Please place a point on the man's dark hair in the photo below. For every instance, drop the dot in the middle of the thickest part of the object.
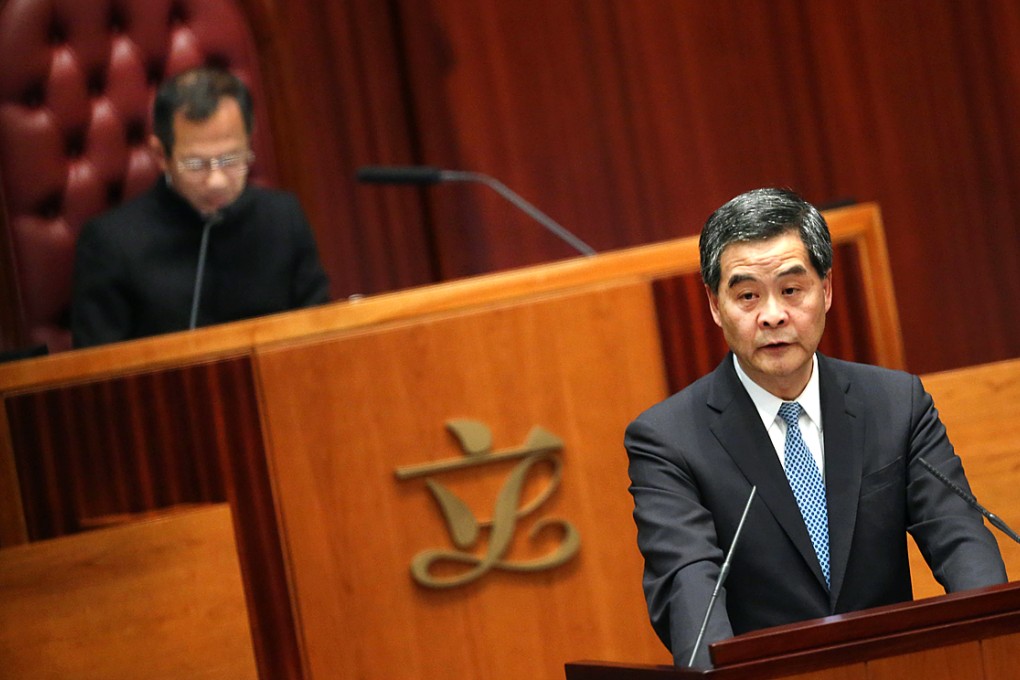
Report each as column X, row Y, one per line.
column 758, row 216
column 197, row 94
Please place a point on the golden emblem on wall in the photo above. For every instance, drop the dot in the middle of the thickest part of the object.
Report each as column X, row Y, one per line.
column 473, row 556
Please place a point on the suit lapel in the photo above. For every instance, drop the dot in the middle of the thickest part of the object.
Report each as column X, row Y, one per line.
column 739, row 430
column 843, row 423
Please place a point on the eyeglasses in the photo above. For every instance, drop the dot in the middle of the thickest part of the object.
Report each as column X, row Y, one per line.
column 234, row 164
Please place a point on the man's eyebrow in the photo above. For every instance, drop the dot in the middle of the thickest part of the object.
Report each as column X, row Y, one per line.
column 739, row 278
column 793, row 270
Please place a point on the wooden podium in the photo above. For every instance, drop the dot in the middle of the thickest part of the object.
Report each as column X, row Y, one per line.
column 424, row 484
column 973, row 635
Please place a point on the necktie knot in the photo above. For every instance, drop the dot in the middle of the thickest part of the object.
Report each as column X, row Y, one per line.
column 790, row 412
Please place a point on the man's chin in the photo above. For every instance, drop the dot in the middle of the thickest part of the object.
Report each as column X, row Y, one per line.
column 779, row 361
column 772, row 354
column 218, row 205
column 213, row 208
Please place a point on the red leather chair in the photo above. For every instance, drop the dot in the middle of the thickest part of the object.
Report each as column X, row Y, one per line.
column 76, row 87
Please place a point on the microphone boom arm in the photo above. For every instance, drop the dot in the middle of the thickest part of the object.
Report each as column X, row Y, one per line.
column 515, row 198
column 993, row 519
column 425, row 174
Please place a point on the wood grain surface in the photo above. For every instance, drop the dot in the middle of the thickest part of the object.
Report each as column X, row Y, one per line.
column 155, row 599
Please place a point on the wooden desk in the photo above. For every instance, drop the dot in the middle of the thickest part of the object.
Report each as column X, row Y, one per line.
column 159, row 598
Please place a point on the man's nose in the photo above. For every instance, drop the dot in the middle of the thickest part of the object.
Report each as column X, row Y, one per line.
column 217, row 176
column 773, row 313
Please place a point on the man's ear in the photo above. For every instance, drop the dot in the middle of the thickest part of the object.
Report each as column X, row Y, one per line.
column 156, row 149
column 713, row 304
column 827, row 289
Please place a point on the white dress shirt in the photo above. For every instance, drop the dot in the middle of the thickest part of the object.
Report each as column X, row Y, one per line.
column 810, row 415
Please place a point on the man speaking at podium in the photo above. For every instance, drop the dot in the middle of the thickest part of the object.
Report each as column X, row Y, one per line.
column 833, row 448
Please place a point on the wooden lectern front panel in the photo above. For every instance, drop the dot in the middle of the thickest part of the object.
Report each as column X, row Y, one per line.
column 454, row 492
column 953, row 662
column 857, row 671
column 999, row 657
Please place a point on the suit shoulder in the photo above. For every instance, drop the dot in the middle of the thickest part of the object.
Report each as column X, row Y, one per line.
column 881, row 388
column 272, row 195
column 679, row 405
column 266, row 204
column 127, row 219
column 869, row 372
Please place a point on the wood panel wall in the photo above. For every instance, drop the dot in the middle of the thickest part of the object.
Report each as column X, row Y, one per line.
column 630, row 121
column 980, row 407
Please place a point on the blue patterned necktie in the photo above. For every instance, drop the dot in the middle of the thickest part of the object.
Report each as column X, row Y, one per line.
column 806, row 482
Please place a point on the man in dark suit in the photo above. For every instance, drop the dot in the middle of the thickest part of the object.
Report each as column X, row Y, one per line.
column 838, row 488
column 137, row 266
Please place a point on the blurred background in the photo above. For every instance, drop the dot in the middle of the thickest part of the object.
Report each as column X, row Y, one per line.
column 630, row 121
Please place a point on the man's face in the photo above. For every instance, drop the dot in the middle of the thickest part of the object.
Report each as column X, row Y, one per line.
column 221, row 136
column 771, row 307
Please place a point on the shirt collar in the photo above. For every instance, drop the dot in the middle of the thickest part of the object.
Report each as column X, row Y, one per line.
column 768, row 404
column 169, row 193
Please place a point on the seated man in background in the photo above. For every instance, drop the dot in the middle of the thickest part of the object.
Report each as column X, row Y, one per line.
column 252, row 249
column 833, row 447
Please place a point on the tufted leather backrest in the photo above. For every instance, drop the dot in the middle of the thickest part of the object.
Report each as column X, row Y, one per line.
column 77, row 80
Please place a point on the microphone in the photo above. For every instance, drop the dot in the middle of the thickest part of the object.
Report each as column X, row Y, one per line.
column 423, row 174
column 399, row 174
column 210, row 222
column 723, row 573
column 962, row 493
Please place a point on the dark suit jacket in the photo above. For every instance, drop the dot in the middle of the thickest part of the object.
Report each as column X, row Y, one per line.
column 135, row 266
column 695, row 456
